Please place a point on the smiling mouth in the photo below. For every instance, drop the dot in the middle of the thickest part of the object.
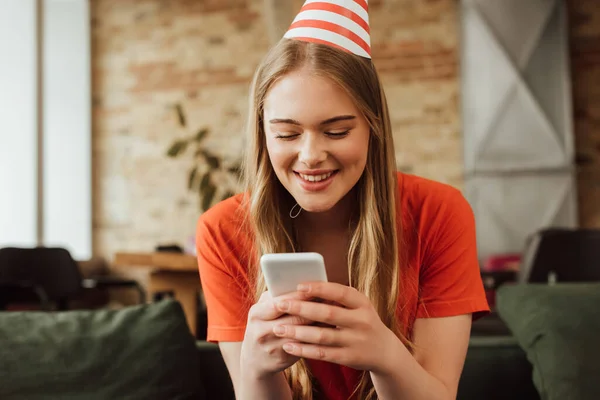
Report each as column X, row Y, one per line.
column 315, row 178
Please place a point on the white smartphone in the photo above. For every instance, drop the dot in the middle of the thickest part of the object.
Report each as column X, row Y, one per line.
column 284, row 271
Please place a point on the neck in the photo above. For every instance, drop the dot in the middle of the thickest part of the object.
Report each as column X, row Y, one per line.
column 337, row 219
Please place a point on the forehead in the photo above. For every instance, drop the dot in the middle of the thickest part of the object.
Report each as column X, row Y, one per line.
column 307, row 97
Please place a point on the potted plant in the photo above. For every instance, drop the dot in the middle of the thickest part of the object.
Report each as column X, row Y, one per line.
column 207, row 166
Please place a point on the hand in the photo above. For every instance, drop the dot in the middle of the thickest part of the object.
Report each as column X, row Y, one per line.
column 262, row 351
column 356, row 337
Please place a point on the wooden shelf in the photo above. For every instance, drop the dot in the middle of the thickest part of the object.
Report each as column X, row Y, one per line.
column 159, row 260
column 174, row 272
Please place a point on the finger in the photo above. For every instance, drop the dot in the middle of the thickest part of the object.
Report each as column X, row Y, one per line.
column 263, row 335
column 265, row 309
column 317, row 352
column 345, row 295
column 293, row 296
column 266, row 296
column 311, row 334
column 318, row 312
column 292, row 320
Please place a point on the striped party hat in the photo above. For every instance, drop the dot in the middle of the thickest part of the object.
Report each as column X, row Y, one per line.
column 339, row 23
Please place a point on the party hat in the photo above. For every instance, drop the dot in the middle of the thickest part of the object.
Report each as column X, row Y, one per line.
column 339, row 23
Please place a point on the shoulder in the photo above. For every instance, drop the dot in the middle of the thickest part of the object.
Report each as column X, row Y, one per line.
column 223, row 208
column 437, row 220
column 224, row 247
column 429, row 202
column 223, row 230
column 440, row 231
column 224, row 217
column 426, row 192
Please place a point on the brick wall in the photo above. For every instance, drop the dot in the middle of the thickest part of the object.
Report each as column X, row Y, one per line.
column 147, row 56
column 415, row 48
column 585, row 55
column 150, row 54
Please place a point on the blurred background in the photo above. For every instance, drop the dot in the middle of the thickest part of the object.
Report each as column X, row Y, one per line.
column 122, row 120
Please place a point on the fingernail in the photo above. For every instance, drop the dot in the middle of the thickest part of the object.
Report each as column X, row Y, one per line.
column 279, row 330
column 288, row 347
column 283, row 305
column 303, row 288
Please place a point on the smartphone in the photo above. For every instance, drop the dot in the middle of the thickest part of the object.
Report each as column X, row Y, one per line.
column 284, row 271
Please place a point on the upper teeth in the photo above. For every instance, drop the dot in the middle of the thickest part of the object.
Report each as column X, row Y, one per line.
column 315, row 178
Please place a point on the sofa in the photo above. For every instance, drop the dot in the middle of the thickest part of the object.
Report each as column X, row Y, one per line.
column 147, row 352
column 135, row 353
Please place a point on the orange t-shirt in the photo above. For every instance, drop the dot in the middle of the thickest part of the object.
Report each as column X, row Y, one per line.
column 440, row 275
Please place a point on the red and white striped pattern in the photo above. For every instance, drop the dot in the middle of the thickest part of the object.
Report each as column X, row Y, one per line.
column 340, row 23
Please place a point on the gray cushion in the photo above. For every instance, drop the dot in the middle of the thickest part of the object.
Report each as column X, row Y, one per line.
column 558, row 326
column 142, row 352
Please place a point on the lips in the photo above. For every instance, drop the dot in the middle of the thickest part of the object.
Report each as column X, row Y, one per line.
column 315, row 182
column 315, row 178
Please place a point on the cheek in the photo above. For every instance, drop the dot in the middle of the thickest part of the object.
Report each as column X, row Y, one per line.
column 354, row 153
column 279, row 155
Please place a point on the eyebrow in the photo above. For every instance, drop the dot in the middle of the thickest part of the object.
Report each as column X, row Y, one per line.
column 326, row 122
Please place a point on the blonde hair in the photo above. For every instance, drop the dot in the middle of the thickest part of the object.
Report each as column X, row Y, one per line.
column 373, row 256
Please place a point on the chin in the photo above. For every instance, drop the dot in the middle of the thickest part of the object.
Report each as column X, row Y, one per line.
column 316, row 207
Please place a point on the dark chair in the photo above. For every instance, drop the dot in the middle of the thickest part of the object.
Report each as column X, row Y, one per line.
column 22, row 293
column 56, row 272
column 561, row 255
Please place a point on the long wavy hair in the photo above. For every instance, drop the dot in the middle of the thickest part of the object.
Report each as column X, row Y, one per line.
column 373, row 256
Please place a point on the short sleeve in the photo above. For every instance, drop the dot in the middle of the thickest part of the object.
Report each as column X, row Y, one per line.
column 225, row 285
column 450, row 279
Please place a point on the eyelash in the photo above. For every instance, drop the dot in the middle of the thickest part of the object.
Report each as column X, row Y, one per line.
column 337, row 135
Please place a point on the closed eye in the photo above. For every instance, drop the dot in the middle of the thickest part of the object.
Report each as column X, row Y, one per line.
column 338, row 134
column 286, row 137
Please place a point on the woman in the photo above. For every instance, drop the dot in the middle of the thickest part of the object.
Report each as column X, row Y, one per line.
column 394, row 319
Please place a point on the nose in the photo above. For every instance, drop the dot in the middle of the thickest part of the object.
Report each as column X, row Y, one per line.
column 312, row 151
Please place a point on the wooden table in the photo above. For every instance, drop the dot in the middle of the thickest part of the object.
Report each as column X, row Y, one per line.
column 171, row 272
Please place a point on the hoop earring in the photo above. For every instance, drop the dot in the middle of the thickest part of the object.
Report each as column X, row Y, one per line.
column 292, row 215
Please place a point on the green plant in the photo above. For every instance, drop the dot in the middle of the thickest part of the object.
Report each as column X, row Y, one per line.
column 207, row 166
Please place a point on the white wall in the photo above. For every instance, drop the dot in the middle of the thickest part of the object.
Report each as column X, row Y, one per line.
column 18, row 123
column 517, row 120
column 63, row 206
column 67, row 126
